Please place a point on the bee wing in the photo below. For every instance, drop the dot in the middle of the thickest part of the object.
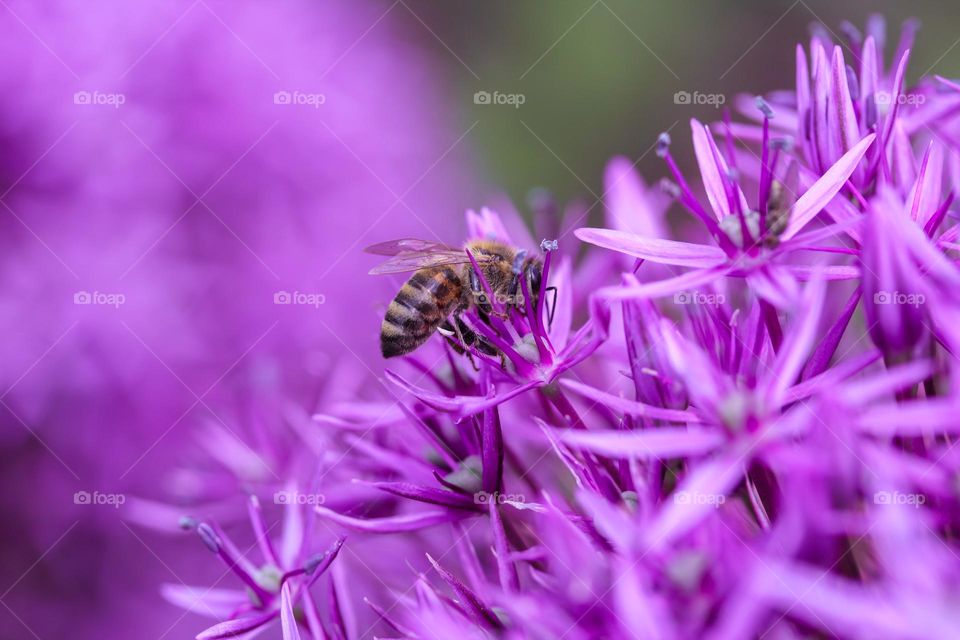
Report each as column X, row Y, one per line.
column 408, row 245
column 410, row 254
column 413, row 261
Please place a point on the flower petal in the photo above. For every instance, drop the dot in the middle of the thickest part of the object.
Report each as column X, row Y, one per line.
column 288, row 623
column 391, row 524
column 714, row 172
column 659, row 443
column 685, row 282
column 629, row 407
column 697, row 495
column 823, row 190
column 251, row 626
column 631, row 206
column 216, row 603
column 682, row 254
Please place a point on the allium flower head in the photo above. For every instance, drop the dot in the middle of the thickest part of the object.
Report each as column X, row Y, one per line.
column 729, row 438
column 273, row 588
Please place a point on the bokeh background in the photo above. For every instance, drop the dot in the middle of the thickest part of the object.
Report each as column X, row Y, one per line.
column 599, row 78
column 184, row 184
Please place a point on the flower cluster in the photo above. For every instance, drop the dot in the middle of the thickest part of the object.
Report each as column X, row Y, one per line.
column 744, row 433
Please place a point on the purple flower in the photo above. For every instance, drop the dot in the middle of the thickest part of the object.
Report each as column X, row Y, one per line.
column 273, row 588
column 743, row 430
column 749, row 242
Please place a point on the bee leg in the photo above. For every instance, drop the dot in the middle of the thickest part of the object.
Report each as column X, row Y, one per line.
column 464, row 347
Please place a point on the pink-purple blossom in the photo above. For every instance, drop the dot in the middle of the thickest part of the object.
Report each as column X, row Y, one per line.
column 746, row 430
column 745, row 436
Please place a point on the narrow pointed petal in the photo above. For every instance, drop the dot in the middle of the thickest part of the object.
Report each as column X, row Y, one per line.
column 650, row 444
column 631, row 206
column 690, row 281
column 216, row 603
column 239, row 627
column 391, row 524
column 915, row 418
column 288, row 623
column 798, row 344
column 430, row 495
column 630, row 407
column 682, row 254
column 698, row 495
column 849, row 132
column 714, row 171
column 823, row 190
column 478, row 611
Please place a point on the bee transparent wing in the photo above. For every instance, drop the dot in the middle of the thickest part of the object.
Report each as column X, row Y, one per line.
column 408, row 245
column 410, row 254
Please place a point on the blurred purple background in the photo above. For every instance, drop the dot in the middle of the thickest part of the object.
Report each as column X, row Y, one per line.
column 172, row 172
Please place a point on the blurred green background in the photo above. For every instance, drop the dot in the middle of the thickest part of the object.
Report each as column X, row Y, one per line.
column 599, row 76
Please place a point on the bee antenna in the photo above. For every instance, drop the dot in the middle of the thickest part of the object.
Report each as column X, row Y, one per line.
column 553, row 305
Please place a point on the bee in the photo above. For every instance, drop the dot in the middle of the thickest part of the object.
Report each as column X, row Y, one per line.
column 783, row 195
column 445, row 285
column 780, row 202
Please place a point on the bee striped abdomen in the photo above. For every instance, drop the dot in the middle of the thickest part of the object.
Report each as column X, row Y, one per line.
column 422, row 304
